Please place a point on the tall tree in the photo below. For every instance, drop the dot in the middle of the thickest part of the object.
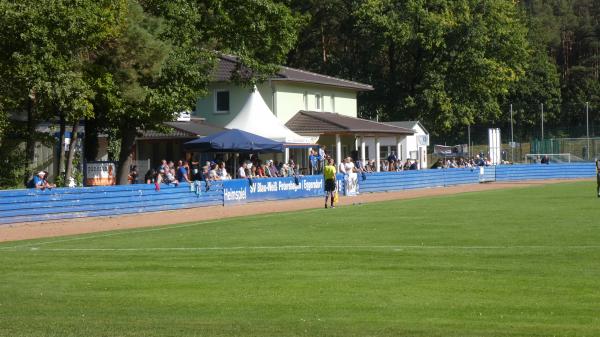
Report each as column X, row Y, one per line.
column 40, row 41
column 448, row 63
column 162, row 62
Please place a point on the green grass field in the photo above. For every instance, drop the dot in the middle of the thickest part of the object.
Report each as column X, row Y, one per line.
column 518, row 262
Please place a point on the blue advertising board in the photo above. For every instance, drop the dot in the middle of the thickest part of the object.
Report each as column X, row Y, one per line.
column 240, row 191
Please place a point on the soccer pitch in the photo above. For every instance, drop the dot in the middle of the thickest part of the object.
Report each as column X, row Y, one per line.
column 515, row 262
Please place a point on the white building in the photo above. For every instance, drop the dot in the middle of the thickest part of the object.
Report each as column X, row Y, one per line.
column 414, row 147
column 309, row 104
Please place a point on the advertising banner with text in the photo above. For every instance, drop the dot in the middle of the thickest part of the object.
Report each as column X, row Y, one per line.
column 241, row 191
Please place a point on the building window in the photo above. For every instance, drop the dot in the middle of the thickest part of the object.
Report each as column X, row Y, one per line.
column 318, row 102
column 383, row 151
column 221, row 101
column 332, row 103
column 305, row 100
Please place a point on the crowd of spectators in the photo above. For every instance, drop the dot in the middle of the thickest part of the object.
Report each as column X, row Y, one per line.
column 169, row 173
column 477, row 161
column 252, row 167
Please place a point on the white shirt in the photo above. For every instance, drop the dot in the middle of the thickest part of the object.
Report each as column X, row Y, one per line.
column 349, row 167
column 241, row 172
column 222, row 172
column 341, row 168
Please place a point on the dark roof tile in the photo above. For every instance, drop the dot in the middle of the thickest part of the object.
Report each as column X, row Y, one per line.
column 313, row 122
column 227, row 65
column 182, row 130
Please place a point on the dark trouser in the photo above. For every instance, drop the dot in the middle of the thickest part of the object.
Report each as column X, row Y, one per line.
column 598, row 185
column 329, row 190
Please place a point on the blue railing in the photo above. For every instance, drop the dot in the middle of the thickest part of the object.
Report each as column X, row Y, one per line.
column 66, row 203
column 541, row 171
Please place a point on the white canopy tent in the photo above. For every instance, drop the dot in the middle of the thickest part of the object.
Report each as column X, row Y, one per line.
column 256, row 117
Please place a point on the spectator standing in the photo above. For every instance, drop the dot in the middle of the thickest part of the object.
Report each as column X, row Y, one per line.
column 322, row 157
column 313, row 161
column 341, row 167
column 392, row 161
column 598, row 177
column 329, row 177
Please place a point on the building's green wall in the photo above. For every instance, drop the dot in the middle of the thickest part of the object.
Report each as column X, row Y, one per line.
column 205, row 107
column 289, row 99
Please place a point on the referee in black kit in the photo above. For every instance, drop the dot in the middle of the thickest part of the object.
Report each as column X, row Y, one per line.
column 598, row 177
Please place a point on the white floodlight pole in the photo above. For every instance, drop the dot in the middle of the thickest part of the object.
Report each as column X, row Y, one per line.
column 469, row 138
column 512, row 139
column 587, row 126
column 542, row 122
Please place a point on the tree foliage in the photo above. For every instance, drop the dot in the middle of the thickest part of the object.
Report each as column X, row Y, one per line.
column 44, row 48
column 448, row 63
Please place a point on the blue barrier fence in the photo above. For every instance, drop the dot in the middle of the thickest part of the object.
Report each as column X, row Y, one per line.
column 66, row 203
column 540, row 171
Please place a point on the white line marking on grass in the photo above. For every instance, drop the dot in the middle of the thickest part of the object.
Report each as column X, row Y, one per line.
column 131, row 231
column 138, row 230
column 345, row 247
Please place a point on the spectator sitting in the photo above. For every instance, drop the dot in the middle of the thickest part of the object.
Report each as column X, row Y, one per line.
column 248, row 169
column 40, row 182
column 222, row 172
column 150, row 176
column 168, row 177
column 369, row 166
column 163, row 165
column 399, row 166
column 37, row 181
column 293, row 169
column 437, row 165
column 283, row 171
column 200, row 175
column 272, row 170
column 545, row 160
column 182, row 171
column 254, row 172
column 242, row 170
column 384, row 166
column 212, row 173
column 414, row 165
column 133, row 174
column 261, row 170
